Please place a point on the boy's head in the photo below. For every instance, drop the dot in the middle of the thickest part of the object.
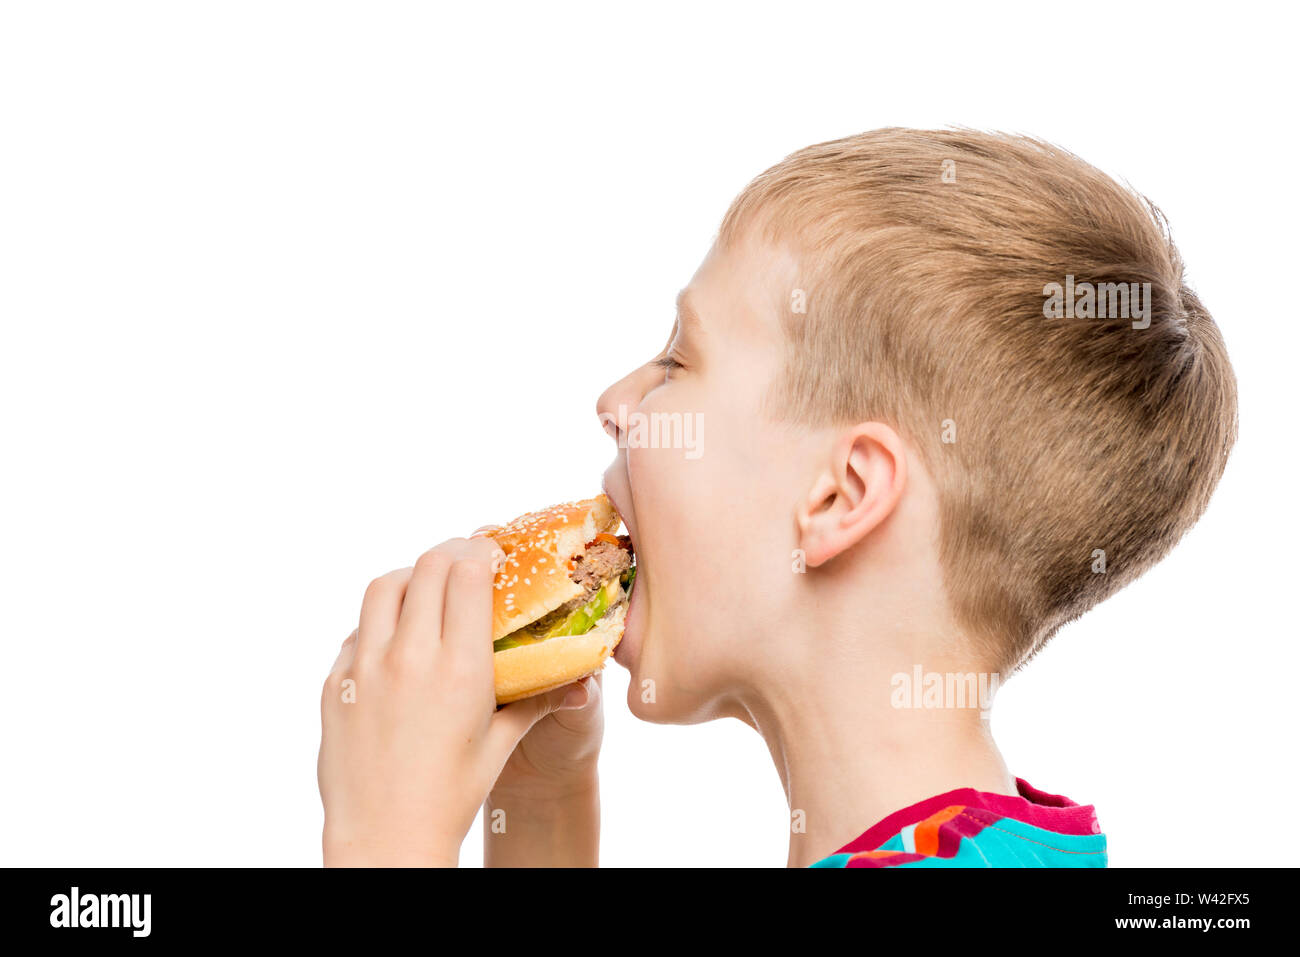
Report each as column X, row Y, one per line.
column 949, row 391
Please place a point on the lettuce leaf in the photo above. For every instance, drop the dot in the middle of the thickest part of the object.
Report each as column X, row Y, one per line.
column 578, row 622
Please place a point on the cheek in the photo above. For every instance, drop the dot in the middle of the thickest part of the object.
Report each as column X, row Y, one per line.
column 692, row 501
column 689, row 534
column 673, row 496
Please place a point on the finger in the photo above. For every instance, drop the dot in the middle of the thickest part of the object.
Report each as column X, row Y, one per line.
column 579, row 717
column 421, row 618
column 380, row 609
column 498, row 556
column 512, row 722
column 423, row 614
column 344, row 660
column 467, row 613
column 592, row 688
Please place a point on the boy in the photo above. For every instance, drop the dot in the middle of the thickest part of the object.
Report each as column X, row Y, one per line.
column 956, row 393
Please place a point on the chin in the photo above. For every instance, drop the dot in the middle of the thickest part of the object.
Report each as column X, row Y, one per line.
column 641, row 653
column 673, row 703
column 660, row 711
column 628, row 654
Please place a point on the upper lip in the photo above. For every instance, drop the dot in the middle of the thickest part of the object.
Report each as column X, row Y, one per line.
column 604, row 487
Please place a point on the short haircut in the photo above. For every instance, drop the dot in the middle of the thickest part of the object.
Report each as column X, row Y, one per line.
column 929, row 260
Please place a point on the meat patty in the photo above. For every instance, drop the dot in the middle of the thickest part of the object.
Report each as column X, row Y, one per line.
column 597, row 565
column 600, row 563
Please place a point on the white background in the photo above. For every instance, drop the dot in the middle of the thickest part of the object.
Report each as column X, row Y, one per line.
column 293, row 291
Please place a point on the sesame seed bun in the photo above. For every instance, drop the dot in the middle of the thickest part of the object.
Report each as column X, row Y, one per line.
column 533, row 669
column 533, row 580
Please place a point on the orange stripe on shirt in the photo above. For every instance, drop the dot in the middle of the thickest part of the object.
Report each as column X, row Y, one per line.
column 926, row 834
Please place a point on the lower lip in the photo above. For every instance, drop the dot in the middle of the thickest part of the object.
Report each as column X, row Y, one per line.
column 623, row 653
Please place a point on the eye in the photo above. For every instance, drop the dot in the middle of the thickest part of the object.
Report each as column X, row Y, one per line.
column 667, row 363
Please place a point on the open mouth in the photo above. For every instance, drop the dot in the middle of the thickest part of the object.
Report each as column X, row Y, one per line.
column 622, row 652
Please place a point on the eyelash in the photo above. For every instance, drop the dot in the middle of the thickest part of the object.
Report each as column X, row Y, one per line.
column 667, row 362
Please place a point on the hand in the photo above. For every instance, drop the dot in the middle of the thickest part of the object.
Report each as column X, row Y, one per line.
column 411, row 741
column 557, row 757
column 545, row 808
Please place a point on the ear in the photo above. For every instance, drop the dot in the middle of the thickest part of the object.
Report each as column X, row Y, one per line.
column 858, row 490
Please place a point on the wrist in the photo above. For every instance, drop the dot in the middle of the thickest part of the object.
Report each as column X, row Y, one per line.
column 341, row 850
column 543, row 824
column 516, row 787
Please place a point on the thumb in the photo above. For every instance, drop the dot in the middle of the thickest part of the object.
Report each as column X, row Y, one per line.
column 514, row 720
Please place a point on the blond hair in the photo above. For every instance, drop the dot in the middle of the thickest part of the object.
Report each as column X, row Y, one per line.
column 927, row 258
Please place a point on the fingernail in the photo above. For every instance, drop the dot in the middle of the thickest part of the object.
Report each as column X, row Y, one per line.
column 576, row 698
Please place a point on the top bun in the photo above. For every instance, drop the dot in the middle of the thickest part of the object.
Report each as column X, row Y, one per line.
column 540, row 548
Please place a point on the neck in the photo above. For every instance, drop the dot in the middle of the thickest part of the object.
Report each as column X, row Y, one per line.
column 848, row 754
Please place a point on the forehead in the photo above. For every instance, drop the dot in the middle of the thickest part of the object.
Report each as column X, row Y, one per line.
column 739, row 292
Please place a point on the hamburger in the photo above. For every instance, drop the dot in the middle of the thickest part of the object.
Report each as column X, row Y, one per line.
column 559, row 596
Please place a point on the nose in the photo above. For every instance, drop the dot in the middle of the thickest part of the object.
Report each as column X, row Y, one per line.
column 622, row 397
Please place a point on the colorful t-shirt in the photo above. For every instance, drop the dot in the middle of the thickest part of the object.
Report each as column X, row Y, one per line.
column 969, row 828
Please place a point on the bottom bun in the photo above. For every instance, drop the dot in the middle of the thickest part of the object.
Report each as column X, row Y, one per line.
column 532, row 669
